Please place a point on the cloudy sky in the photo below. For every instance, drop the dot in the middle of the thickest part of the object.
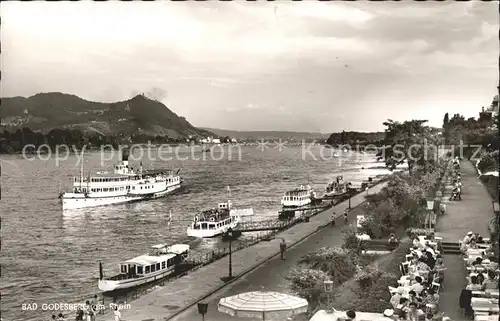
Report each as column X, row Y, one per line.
column 302, row 66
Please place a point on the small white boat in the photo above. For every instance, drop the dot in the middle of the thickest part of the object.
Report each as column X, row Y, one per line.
column 338, row 187
column 298, row 197
column 157, row 264
column 216, row 221
column 336, row 155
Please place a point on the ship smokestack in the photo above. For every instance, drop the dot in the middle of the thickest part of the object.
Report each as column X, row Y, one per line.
column 125, row 154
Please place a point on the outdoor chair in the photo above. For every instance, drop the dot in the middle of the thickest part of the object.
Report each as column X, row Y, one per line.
column 436, row 287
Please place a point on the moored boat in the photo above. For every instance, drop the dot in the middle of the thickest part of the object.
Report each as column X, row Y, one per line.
column 338, row 187
column 159, row 263
column 216, row 221
column 123, row 185
column 302, row 196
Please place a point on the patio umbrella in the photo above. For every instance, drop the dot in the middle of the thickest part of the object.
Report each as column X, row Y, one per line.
column 262, row 305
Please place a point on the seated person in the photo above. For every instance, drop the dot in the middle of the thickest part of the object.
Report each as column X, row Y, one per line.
column 428, row 248
column 422, row 265
column 429, row 260
column 393, row 240
column 466, row 240
column 397, row 297
column 414, row 298
column 439, row 267
column 478, row 263
column 433, row 315
column 431, row 297
column 351, row 315
column 418, row 287
column 399, row 310
column 417, row 243
column 413, row 313
column 480, row 278
column 491, row 283
column 474, row 284
column 472, row 245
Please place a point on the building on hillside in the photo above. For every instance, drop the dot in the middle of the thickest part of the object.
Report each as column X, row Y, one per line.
column 485, row 117
column 216, row 141
column 234, row 141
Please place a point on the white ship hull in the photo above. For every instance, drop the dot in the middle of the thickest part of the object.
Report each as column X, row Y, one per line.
column 202, row 233
column 335, row 193
column 76, row 201
column 113, row 285
column 295, row 203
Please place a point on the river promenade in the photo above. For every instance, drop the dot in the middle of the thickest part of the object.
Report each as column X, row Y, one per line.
column 472, row 213
column 165, row 302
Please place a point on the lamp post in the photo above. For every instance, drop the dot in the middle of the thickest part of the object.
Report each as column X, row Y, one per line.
column 494, row 222
column 430, row 209
column 328, row 289
column 230, row 235
column 349, row 192
column 202, row 309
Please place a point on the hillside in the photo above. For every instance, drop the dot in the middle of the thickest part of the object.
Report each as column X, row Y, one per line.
column 266, row 135
column 46, row 111
column 353, row 138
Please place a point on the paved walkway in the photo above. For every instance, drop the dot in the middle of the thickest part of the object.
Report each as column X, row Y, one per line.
column 162, row 303
column 472, row 213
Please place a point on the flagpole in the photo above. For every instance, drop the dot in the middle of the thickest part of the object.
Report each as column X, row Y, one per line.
column 81, row 172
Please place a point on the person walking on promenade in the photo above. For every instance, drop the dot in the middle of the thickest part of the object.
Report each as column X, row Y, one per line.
column 116, row 312
column 345, row 217
column 87, row 310
column 79, row 314
column 333, row 219
column 282, row 249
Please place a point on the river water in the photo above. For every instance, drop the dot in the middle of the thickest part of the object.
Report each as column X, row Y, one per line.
column 51, row 256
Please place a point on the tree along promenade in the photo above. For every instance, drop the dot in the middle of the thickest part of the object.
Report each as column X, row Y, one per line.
column 173, row 298
column 472, row 213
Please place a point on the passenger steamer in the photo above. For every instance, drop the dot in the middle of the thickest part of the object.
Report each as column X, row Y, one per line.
column 217, row 221
column 159, row 263
column 302, row 196
column 124, row 185
column 339, row 187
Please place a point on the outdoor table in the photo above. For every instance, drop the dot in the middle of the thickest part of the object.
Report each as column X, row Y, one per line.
column 482, row 269
column 323, row 315
column 486, row 318
column 484, row 305
column 471, row 258
column 486, row 294
column 474, row 252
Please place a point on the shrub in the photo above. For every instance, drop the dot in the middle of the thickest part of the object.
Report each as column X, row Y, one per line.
column 410, row 232
column 339, row 264
column 308, row 284
column 367, row 277
column 489, row 161
column 368, row 290
column 351, row 241
column 491, row 184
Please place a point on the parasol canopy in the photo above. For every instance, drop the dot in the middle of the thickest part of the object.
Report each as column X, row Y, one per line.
column 262, row 305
